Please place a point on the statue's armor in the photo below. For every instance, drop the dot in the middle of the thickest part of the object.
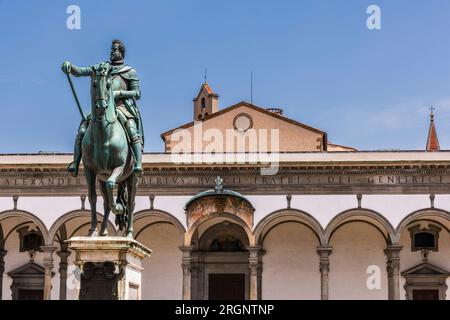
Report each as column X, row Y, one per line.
column 120, row 83
column 124, row 80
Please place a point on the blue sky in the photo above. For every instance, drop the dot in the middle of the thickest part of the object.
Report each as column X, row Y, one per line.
column 316, row 59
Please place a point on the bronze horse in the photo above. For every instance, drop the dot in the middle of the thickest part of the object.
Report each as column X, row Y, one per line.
column 107, row 157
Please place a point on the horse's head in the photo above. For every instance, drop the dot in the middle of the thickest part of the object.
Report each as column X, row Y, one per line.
column 101, row 86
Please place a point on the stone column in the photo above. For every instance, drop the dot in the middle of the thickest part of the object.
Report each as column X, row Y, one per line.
column 324, row 267
column 2, row 269
column 255, row 265
column 197, row 279
column 186, row 266
column 63, row 274
column 393, row 268
column 48, row 266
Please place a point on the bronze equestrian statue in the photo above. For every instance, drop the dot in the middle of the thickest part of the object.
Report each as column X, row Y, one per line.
column 110, row 139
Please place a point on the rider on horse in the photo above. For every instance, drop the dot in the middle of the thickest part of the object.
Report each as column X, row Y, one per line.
column 126, row 91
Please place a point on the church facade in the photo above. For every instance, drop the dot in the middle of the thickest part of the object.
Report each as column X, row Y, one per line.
column 244, row 203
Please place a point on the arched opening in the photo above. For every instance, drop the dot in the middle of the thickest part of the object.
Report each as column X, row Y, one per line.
column 290, row 263
column 21, row 259
column 359, row 238
column 220, row 263
column 289, row 239
column 424, row 259
column 203, row 103
column 358, row 254
column 163, row 234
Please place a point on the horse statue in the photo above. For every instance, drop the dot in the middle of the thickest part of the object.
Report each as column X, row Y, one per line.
column 107, row 157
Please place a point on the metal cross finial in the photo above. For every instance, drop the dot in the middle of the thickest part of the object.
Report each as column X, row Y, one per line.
column 206, row 74
column 432, row 113
column 218, row 188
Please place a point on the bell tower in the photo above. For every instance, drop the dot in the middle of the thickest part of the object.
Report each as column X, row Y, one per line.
column 206, row 102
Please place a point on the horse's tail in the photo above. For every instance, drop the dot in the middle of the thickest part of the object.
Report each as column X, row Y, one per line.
column 122, row 198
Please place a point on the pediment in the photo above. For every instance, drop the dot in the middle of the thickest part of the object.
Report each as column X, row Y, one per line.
column 268, row 119
column 247, row 120
column 27, row 270
column 425, row 269
column 252, row 110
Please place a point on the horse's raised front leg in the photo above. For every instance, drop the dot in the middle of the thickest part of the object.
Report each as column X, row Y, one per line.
column 107, row 210
column 92, row 196
column 111, row 182
column 132, row 183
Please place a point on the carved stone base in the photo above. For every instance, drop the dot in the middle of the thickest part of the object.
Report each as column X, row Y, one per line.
column 111, row 267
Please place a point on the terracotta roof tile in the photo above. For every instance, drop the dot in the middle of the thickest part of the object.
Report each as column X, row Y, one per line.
column 207, row 88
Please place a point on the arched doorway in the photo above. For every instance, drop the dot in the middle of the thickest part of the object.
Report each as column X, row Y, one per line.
column 220, row 259
column 220, row 263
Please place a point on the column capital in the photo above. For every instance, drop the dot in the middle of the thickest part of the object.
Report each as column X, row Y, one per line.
column 186, row 259
column 49, row 248
column 63, row 263
column 324, row 252
column 393, row 259
column 48, row 264
column 63, row 254
column 254, row 248
column 255, row 251
column 185, row 249
column 393, row 250
column 186, row 262
column 254, row 263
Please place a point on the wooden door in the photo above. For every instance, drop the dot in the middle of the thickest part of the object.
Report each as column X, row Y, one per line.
column 25, row 294
column 425, row 294
column 226, row 286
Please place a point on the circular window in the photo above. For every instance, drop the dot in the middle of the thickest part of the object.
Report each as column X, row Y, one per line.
column 242, row 122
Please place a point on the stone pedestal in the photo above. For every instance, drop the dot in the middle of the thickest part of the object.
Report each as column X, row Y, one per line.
column 110, row 267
